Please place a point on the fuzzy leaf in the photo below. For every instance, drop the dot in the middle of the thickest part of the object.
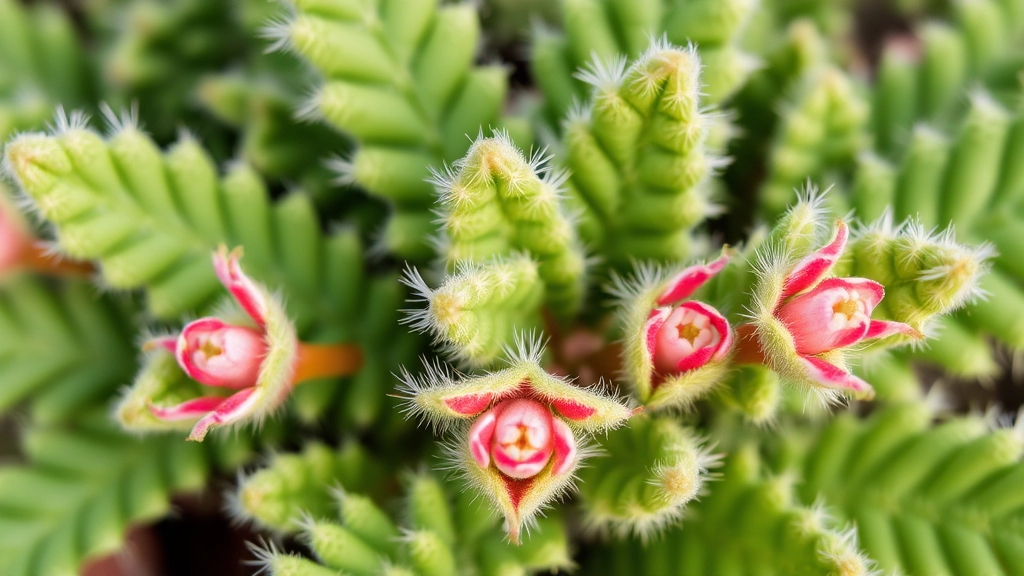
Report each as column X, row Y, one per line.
column 82, row 487
column 153, row 218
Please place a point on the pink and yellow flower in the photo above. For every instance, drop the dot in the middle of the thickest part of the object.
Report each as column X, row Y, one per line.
column 807, row 321
column 524, row 442
column 256, row 362
column 676, row 349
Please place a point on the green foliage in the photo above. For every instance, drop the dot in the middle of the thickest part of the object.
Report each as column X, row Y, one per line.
column 750, row 523
column 981, row 43
column 926, row 499
column 645, row 477
column 399, row 79
column 640, row 170
column 971, row 178
column 62, row 348
column 480, row 308
column 610, row 29
column 41, row 65
column 260, row 99
column 438, row 536
column 291, row 486
column 84, row 484
column 671, row 127
column 822, row 129
column 496, row 202
column 156, row 52
column 152, row 219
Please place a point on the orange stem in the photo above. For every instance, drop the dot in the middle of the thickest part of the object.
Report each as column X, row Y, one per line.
column 748, row 347
column 38, row 259
column 327, row 360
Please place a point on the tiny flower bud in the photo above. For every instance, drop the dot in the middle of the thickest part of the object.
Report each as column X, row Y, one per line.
column 523, row 445
column 260, row 365
column 675, row 349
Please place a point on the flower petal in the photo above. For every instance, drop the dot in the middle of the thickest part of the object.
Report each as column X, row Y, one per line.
column 469, row 404
column 195, row 408
column 886, row 328
column 832, row 376
column 815, row 266
column 480, row 436
column 245, row 291
column 653, row 326
column 564, row 458
column 236, row 407
column 689, row 280
column 573, row 410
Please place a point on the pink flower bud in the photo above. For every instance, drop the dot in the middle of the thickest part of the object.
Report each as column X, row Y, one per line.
column 218, row 354
column 520, row 437
column 260, row 364
column 687, row 337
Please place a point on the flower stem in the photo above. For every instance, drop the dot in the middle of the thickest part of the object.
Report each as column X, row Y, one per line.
column 38, row 259
column 748, row 347
column 327, row 360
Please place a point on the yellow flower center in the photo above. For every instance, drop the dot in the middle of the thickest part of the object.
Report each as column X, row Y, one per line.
column 846, row 307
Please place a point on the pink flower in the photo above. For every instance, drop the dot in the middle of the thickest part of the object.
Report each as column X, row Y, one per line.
column 520, row 437
column 825, row 315
column 524, row 441
column 261, row 363
column 690, row 334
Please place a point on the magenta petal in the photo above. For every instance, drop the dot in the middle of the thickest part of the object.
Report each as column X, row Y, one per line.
column 236, row 407
column 689, row 280
column 469, row 404
column 241, row 287
column 832, row 376
column 480, row 436
column 188, row 410
column 654, row 323
column 885, row 328
column 817, row 265
column 573, row 410
column 564, row 444
column 697, row 359
column 811, row 319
